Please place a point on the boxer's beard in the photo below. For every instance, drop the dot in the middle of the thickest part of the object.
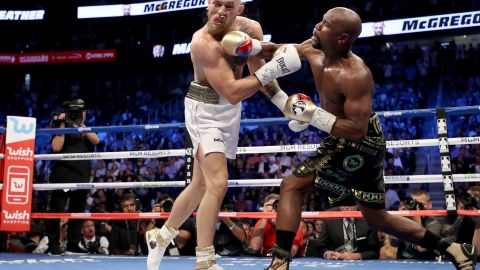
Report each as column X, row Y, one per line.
column 217, row 31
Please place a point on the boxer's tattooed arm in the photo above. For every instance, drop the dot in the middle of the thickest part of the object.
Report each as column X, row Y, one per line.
column 271, row 89
column 244, row 28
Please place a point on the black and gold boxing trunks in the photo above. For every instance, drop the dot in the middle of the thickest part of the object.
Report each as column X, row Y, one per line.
column 347, row 170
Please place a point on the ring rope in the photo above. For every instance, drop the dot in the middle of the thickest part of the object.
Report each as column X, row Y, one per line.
column 240, row 150
column 389, row 179
column 255, row 215
column 272, row 121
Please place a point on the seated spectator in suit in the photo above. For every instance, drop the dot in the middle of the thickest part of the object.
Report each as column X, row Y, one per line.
column 345, row 239
column 263, row 236
column 124, row 234
column 91, row 242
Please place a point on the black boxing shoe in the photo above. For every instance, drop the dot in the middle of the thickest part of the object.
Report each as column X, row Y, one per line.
column 55, row 250
column 280, row 259
column 463, row 256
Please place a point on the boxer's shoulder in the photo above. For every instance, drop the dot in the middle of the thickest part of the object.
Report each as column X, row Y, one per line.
column 249, row 26
column 204, row 40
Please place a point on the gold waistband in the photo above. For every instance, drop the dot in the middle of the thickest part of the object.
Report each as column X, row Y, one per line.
column 202, row 93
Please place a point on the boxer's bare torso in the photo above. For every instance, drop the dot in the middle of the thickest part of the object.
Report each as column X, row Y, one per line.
column 333, row 80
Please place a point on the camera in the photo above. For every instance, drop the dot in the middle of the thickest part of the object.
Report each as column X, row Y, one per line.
column 92, row 247
column 470, row 202
column 275, row 204
column 411, row 204
column 167, row 205
column 74, row 112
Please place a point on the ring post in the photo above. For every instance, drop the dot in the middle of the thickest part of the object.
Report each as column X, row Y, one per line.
column 445, row 161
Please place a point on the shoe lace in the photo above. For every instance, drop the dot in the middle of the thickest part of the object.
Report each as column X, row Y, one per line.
column 278, row 263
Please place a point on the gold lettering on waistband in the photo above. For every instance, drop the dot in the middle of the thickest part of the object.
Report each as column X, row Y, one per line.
column 369, row 196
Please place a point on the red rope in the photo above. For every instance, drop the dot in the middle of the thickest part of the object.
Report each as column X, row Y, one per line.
column 255, row 215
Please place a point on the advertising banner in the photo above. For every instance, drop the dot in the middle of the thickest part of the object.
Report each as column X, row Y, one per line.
column 58, row 57
column 18, row 174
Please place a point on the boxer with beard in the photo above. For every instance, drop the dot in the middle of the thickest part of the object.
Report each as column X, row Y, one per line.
column 212, row 117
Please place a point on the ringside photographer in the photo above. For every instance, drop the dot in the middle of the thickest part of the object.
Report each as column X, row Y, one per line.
column 185, row 242
column 419, row 200
column 73, row 115
column 466, row 229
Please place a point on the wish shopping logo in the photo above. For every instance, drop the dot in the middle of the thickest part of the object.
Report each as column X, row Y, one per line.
column 19, row 126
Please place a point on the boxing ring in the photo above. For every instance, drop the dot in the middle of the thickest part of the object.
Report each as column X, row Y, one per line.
column 22, row 261
column 42, row 261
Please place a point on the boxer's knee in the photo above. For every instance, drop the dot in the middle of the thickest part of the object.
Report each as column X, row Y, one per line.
column 217, row 187
column 295, row 183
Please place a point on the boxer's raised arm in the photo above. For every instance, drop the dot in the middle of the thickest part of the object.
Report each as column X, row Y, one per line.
column 269, row 49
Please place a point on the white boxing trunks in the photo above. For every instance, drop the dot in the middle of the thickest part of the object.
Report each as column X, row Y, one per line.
column 212, row 121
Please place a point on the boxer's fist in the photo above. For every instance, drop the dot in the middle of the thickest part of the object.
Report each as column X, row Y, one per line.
column 301, row 108
column 238, row 43
column 285, row 61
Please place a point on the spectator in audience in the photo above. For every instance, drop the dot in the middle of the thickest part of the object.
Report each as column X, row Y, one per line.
column 319, row 228
column 345, row 239
column 45, row 243
column 263, row 235
column 463, row 228
column 392, row 199
column 124, row 234
column 475, row 166
column 230, row 238
column 91, row 242
column 247, row 227
column 26, row 242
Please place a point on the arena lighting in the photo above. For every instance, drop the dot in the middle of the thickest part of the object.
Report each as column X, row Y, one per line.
column 21, row 15
column 184, row 48
column 421, row 24
column 139, row 9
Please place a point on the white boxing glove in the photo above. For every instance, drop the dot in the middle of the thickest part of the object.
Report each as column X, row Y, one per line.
column 300, row 107
column 238, row 43
column 285, row 61
column 297, row 126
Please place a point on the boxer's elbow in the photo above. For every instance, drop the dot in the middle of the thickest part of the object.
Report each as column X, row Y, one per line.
column 234, row 97
column 234, row 100
column 358, row 134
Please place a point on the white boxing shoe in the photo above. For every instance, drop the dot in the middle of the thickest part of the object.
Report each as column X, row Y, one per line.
column 157, row 242
column 206, row 259
column 208, row 265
